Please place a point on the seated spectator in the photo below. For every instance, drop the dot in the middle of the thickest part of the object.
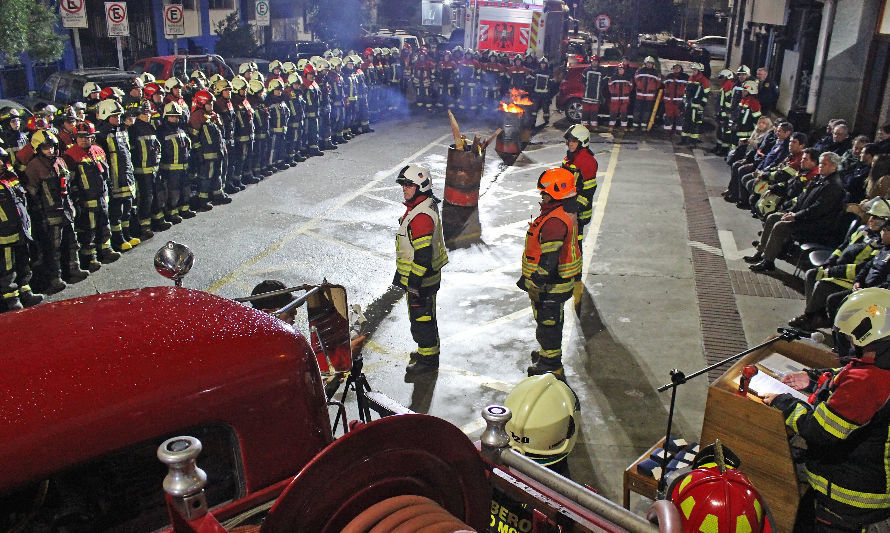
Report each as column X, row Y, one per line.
column 749, row 163
column 878, row 181
column 839, row 273
column 871, row 273
column 823, row 143
column 767, row 91
column 789, row 168
column 883, row 139
column 811, row 219
column 769, row 163
column 840, row 140
column 854, row 169
column 785, row 193
column 751, row 144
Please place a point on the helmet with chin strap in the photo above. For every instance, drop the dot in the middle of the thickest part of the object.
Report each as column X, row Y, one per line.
column 578, row 133
column 417, row 176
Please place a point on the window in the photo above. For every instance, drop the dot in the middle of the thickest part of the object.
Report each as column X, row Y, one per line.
column 48, row 90
column 122, row 491
column 222, row 4
column 64, row 91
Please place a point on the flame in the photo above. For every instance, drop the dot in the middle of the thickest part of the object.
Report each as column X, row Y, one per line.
column 512, row 108
column 519, row 97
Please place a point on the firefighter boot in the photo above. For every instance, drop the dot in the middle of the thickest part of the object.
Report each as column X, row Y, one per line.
column 119, row 243
column 547, row 364
column 75, row 273
column 28, row 298
column 221, row 199
column 12, row 303
column 107, row 255
column 89, row 262
column 55, row 285
column 423, row 365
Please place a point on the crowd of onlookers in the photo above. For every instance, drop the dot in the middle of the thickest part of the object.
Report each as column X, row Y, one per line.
column 824, row 208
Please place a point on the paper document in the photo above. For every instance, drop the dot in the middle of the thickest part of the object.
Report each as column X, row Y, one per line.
column 780, row 366
column 763, row 384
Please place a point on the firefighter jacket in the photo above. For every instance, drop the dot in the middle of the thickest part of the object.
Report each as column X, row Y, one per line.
column 243, row 126
column 491, row 74
column 116, row 143
column 207, row 135
column 422, row 73
column 46, row 179
column 369, row 69
column 517, row 77
column 646, row 83
column 583, row 165
column 725, row 103
column 338, row 89
column 394, row 72
column 351, row 89
column 89, row 174
column 551, row 258
column 592, row 91
column 858, row 247
column 847, row 433
column 420, row 247
column 747, row 116
column 697, row 89
column 176, row 146
column 876, row 271
column 226, row 112
column 15, row 223
column 446, row 73
column 312, row 96
column 145, row 147
column 468, row 72
column 260, row 117
column 14, row 141
column 278, row 114
column 620, row 86
column 675, row 88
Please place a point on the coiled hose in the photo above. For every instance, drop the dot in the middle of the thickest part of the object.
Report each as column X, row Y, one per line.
column 406, row 514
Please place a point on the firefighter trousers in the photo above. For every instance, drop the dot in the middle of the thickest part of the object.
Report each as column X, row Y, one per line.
column 145, row 194
column 312, row 131
column 119, row 214
column 93, row 230
column 590, row 114
column 642, row 112
column 179, row 189
column 15, row 270
column 542, row 103
column 424, row 328
column 56, row 243
column 324, row 124
column 259, row 157
column 240, row 161
column 278, row 150
column 209, row 179
column 692, row 121
column 549, row 318
column 338, row 119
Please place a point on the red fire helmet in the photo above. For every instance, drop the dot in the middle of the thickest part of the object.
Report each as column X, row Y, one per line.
column 719, row 502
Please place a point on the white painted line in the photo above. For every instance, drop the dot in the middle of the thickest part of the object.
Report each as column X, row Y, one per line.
column 681, row 154
column 309, row 224
column 730, row 251
column 706, row 248
column 345, row 244
column 384, row 200
column 477, row 330
column 592, row 231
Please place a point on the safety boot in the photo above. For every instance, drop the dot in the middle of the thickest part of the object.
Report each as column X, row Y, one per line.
column 231, row 189
column 75, row 273
column 145, row 232
column 221, row 199
column 546, row 364
column 89, row 262
column 202, row 205
column 314, row 152
column 174, row 218
column 249, row 180
column 29, row 298
column 299, row 157
column 118, row 242
column 13, row 304
column 186, row 212
column 134, row 241
column 423, row 364
column 55, row 285
column 107, row 255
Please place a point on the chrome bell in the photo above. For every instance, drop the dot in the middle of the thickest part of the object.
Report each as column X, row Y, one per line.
column 174, row 261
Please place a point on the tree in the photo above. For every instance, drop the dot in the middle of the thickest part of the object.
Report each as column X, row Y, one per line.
column 29, row 26
column 650, row 16
column 236, row 38
column 337, row 22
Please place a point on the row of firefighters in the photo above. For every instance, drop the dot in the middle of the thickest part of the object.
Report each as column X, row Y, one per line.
column 683, row 97
column 80, row 186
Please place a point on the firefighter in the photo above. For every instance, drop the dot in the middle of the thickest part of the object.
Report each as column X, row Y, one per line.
column 716, row 496
column 89, row 191
column 225, row 110
column 325, row 133
column 133, row 98
column 47, row 179
column 394, row 70
column 312, row 96
column 92, row 93
column 491, row 74
column 541, row 91
column 278, row 118
column 620, row 87
column 422, row 72
column 338, row 101
column 747, row 113
column 12, row 136
column 296, row 122
column 16, row 240
column 155, row 95
column 581, row 162
column 674, row 94
column 647, row 81
column 723, row 103
column 206, row 130
column 694, row 101
column 174, row 94
column 67, row 125
column 468, row 73
column 259, row 157
column 420, row 256
column 244, row 123
column 846, row 428
column 446, row 69
column 550, row 262
column 173, row 171
column 545, row 420
column 113, row 138
column 364, row 116
column 590, row 103
column 146, row 152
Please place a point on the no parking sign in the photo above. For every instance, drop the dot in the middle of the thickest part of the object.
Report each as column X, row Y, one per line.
column 74, row 13
column 116, row 19
column 173, row 20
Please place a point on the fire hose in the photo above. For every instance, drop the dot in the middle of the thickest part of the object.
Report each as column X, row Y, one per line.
column 406, row 514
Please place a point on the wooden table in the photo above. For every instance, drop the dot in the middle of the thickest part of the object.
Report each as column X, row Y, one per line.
column 637, row 482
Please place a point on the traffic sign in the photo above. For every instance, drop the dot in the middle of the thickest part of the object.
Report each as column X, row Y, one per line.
column 173, row 20
column 262, row 13
column 116, row 19
column 74, row 13
column 603, row 22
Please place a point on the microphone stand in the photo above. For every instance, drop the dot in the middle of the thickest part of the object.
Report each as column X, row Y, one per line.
column 678, row 378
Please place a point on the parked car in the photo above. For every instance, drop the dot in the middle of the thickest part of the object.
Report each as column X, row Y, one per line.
column 577, row 51
column 63, row 88
column 289, row 50
column 670, row 49
column 403, row 37
column 181, row 66
column 714, row 44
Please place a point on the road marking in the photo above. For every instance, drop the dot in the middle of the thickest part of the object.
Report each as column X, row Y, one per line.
column 476, row 330
column 592, row 231
column 683, row 154
column 384, row 200
column 355, row 247
column 730, row 251
column 706, row 247
column 309, row 224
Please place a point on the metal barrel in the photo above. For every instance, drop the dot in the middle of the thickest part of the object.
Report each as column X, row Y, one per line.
column 527, row 123
column 460, row 226
column 463, row 173
column 509, row 141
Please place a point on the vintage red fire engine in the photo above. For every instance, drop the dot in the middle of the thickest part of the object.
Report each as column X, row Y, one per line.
column 232, row 402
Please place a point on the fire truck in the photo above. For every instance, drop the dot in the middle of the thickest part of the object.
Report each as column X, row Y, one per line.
column 172, row 409
column 539, row 27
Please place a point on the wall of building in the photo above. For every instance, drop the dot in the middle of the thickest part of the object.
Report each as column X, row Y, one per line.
column 847, row 58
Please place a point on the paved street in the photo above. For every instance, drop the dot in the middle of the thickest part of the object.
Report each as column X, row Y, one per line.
column 665, row 284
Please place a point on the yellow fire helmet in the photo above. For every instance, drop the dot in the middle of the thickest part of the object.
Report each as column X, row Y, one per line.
column 544, row 423
column 865, row 316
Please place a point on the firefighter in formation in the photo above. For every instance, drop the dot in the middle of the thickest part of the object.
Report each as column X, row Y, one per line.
column 83, row 184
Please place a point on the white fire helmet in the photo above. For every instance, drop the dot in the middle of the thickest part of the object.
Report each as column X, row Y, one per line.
column 414, row 175
column 544, row 425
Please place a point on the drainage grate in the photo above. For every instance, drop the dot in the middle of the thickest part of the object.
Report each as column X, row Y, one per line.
column 752, row 284
column 721, row 324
